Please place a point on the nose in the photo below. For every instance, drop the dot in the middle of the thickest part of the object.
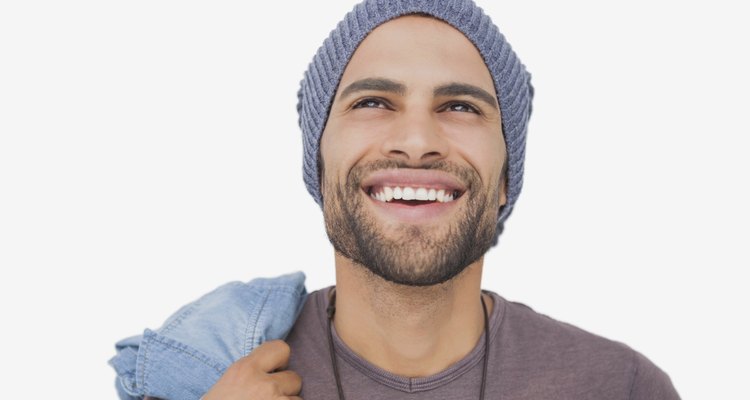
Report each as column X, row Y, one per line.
column 416, row 138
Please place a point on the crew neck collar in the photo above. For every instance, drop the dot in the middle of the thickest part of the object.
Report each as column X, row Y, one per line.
column 413, row 384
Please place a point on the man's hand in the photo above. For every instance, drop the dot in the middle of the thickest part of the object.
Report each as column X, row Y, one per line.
column 254, row 377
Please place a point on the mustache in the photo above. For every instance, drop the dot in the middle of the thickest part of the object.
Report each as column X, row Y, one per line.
column 468, row 176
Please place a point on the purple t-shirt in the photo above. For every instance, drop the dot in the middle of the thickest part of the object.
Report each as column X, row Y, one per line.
column 531, row 357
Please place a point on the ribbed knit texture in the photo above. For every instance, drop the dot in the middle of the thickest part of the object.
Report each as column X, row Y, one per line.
column 512, row 81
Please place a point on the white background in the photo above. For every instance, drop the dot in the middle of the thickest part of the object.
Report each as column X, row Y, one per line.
column 149, row 152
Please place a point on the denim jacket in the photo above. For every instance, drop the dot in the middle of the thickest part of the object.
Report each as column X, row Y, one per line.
column 190, row 352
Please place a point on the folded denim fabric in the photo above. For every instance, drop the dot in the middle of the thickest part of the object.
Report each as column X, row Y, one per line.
column 190, row 352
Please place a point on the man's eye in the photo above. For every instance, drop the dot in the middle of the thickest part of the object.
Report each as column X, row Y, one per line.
column 369, row 103
column 462, row 107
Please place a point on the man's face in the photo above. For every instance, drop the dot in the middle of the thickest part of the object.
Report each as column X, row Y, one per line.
column 412, row 154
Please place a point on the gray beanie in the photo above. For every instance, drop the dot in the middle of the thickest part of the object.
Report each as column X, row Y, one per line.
column 512, row 81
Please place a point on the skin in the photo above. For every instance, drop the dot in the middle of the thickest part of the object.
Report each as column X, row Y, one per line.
column 413, row 331
column 407, row 330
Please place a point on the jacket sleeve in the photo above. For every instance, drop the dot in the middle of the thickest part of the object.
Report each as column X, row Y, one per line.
column 650, row 382
column 184, row 357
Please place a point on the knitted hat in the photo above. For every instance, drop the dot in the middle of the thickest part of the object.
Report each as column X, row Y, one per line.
column 512, row 81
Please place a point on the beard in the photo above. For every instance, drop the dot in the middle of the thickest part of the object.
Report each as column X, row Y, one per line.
column 407, row 254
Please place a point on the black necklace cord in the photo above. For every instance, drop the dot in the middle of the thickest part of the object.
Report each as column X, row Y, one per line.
column 331, row 310
column 486, row 348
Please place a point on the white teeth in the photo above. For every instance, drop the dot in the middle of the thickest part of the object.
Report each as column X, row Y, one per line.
column 387, row 194
column 408, row 194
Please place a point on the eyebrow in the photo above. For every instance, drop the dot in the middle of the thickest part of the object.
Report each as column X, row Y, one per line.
column 378, row 84
column 464, row 89
column 450, row 89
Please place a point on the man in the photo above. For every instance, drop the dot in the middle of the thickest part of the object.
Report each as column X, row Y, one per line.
column 414, row 116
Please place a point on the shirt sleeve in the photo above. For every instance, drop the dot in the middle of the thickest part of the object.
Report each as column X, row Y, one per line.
column 650, row 382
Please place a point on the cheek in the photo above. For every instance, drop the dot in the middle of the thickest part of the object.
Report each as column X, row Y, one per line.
column 483, row 149
column 341, row 148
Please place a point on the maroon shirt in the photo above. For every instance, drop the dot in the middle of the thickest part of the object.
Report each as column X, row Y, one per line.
column 531, row 357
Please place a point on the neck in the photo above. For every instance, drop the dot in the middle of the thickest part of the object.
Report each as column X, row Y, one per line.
column 405, row 330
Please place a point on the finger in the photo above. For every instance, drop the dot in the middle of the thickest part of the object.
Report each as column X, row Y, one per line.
column 288, row 381
column 271, row 355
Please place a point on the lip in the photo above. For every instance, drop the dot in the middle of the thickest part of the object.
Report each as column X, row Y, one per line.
column 429, row 179
column 402, row 213
column 417, row 178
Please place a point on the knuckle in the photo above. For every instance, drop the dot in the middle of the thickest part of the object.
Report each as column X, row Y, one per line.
column 280, row 347
column 241, row 369
column 240, row 365
column 295, row 377
column 266, row 388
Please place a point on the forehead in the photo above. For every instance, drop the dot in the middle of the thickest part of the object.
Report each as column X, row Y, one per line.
column 418, row 50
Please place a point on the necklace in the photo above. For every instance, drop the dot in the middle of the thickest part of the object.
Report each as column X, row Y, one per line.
column 332, row 310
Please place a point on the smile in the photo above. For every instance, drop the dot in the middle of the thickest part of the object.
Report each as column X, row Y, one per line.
column 413, row 195
column 404, row 191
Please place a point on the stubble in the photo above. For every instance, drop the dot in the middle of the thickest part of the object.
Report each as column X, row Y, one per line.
column 407, row 254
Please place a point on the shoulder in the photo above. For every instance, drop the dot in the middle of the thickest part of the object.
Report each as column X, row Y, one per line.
column 548, row 347
column 526, row 327
column 193, row 347
column 240, row 312
column 650, row 382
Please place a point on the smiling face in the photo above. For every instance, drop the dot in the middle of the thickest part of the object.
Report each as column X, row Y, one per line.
column 412, row 154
